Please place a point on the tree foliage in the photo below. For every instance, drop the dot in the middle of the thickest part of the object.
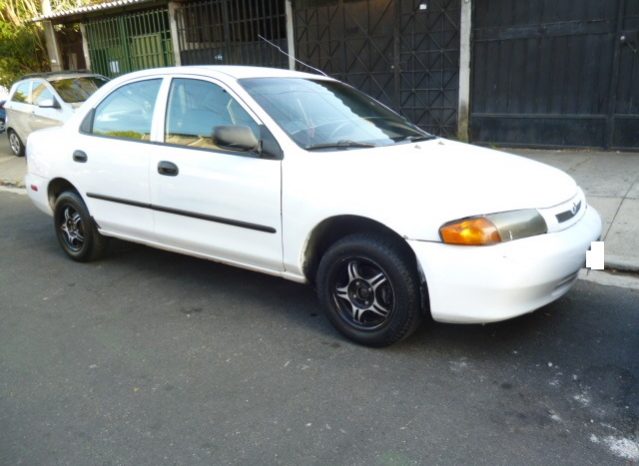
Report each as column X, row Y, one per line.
column 22, row 45
column 21, row 41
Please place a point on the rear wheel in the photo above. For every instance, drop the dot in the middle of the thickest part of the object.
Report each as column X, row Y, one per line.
column 15, row 144
column 75, row 229
column 370, row 290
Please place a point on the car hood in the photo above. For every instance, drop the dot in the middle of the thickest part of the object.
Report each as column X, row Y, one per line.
column 418, row 187
column 476, row 179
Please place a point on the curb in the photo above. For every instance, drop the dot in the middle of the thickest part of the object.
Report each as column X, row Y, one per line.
column 12, row 184
column 622, row 264
column 9, row 189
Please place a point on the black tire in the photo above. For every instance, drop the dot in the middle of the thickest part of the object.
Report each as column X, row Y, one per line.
column 76, row 231
column 370, row 290
column 15, row 143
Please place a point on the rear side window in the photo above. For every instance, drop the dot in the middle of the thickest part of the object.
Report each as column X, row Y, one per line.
column 128, row 111
column 75, row 90
column 21, row 94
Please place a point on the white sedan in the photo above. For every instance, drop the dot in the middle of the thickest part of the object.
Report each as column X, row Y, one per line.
column 306, row 178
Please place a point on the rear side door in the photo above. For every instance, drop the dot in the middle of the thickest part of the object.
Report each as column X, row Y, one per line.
column 209, row 200
column 111, row 156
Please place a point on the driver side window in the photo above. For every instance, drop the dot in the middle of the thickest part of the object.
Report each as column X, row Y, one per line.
column 21, row 95
column 195, row 108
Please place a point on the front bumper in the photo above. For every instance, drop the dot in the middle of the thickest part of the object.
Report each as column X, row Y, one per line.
column 481, row 284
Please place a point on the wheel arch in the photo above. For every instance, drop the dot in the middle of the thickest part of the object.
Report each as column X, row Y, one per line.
column 332, row 229
column 12, row 129
column 56, row 187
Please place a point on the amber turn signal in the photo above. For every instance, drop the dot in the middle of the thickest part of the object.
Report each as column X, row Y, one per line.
column 473, row 231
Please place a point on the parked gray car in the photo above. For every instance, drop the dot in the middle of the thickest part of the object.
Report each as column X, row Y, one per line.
column 3, row 115
column 42, row 100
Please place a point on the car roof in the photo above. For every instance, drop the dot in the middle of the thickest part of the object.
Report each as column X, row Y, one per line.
column 56, row 75
column 233, row 71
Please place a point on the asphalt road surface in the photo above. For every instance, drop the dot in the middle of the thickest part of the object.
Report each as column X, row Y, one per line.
column 151, row 358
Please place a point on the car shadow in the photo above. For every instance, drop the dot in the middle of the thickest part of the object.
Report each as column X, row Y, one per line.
column 580, row 326
column 299, row 302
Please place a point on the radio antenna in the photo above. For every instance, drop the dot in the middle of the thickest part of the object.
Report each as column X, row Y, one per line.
column 285, row 53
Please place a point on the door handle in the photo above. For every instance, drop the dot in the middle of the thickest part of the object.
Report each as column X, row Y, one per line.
column 167, row 168
column 79, row 156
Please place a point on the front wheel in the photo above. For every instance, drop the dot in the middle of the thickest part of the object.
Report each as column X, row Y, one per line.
column 75, row 229
column 17, row 148
column 370, row 290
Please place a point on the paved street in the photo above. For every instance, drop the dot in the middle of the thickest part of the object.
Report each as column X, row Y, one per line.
column 150, row 358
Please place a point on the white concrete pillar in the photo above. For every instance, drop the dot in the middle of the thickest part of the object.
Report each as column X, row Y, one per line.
column 53, row 50
column 290, row 35
column 463, row 109
column 85, row 46
column 175, row 41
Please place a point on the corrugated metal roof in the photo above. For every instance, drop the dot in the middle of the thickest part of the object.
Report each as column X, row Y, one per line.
column 90, row 9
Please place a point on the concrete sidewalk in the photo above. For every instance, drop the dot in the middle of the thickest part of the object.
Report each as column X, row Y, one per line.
column 12, row 169
column 609, row 179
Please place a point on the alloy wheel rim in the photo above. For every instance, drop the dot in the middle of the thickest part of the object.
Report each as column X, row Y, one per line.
column 363, row 294
column 14, row 142
column 72, row 228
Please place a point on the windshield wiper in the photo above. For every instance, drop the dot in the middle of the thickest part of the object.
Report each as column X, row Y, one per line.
column 339, row 145
column 417, row 138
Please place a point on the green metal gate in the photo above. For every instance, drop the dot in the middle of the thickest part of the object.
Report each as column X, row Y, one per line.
column 130, row 42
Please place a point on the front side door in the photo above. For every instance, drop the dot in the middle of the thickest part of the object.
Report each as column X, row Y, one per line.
column 19, row 110
column 44, row 117
column 111, row 160
column 210, row 200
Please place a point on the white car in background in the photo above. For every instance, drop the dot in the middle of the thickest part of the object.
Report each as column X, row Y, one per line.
column 306, row 178
column 43, row 100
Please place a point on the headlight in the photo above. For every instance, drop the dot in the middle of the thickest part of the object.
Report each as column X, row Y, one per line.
column 493, row 228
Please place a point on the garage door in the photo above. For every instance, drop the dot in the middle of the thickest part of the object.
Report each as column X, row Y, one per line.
column 557, row 73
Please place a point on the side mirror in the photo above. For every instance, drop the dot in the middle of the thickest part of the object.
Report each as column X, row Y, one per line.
column 49, row 103
column 239, row 138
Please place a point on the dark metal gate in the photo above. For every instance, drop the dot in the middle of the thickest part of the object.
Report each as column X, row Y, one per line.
column 130, row 42
column 215, row 32
column 556, row 74
column 405, row 53
column 624, row 125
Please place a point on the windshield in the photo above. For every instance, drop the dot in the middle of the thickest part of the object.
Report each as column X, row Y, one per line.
column 75, row 90
column 319, row 114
